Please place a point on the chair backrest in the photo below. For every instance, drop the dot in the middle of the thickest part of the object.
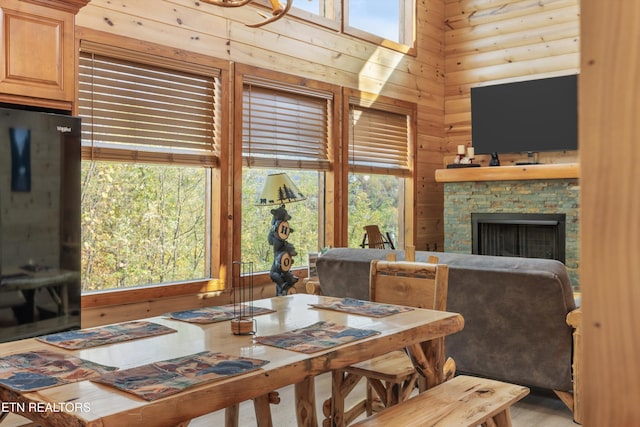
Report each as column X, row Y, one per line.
column 374, row 237
column 414, row 284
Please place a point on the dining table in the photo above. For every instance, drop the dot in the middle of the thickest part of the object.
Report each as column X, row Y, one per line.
column 91, row 403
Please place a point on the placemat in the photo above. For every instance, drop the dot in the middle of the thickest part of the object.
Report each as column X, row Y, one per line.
column 215, row 314
column 87, row 338
column 41, row 369
column 316, row 337
column 363, row 308
column 168, row 377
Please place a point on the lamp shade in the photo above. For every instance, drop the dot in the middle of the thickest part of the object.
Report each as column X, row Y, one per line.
column 279, row 189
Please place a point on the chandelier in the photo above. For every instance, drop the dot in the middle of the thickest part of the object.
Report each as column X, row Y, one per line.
column 278, row 11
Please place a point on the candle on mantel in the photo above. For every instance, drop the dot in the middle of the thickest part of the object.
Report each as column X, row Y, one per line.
column 460, row 149
column 471, row 153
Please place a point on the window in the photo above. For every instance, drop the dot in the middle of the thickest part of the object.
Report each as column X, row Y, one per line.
column 380, row 166
column 285, row 128
column 142, row 224
column 391, row 20
column 388, row 23
column 256, row 220
column 324, row 8
column 150, row 132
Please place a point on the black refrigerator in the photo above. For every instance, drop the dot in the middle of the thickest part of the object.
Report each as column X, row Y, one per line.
column 40, row 233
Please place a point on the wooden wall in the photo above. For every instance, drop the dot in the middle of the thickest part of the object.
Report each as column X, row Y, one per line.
column 500, row 41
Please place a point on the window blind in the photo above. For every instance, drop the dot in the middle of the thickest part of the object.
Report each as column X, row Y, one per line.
column 285, row 127
column 378, row 141
column 145, row 112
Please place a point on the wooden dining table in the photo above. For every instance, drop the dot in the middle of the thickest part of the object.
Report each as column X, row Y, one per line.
column 96, row 404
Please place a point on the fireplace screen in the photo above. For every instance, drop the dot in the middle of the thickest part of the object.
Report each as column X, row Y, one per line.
column 519, row 235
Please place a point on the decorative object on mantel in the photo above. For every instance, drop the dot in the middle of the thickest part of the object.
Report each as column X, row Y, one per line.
column 278, row 11
column 533, row 156
column 495, row 160
column 278, row 190
column 462, row 160
column 243, row 322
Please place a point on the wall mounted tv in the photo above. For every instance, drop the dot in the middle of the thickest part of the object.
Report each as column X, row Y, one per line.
column 528, row 116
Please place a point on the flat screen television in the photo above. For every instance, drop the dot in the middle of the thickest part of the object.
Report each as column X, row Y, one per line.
column 529, row 116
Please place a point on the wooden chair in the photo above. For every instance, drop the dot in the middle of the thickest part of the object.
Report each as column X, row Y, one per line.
column 392, row 376
column 374, row 239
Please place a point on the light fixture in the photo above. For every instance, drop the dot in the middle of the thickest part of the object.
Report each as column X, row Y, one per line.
column 277, row 11
column 280, row 189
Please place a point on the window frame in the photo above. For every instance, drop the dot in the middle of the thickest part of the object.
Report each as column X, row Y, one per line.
column 339, row 23
column 219, row 258
column 363, row 99
column 408, row 8
column 327, row 189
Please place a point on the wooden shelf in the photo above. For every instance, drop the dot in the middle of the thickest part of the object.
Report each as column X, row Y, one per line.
column 509, row 173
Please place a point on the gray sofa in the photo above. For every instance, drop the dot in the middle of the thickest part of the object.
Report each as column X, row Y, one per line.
column 514, row 309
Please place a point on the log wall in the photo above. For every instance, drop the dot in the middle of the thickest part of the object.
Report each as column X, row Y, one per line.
column 500, row 41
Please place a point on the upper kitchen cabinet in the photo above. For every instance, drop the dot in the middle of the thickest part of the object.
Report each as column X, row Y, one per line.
column 38, row 52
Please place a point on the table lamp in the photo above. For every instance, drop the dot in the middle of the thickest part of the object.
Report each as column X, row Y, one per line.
column 279, row 189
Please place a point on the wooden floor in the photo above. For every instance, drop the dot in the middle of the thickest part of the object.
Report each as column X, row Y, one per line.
column 536, row 410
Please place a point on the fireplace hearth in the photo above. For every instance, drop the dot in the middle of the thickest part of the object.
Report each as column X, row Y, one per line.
column 530, row 235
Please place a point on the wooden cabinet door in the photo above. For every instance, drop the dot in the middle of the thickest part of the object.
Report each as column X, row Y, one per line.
column 37, row 51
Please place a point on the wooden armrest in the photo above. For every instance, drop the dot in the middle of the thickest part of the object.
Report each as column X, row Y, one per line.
column 574, row 318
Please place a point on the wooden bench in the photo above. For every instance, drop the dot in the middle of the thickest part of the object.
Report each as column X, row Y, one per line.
column 462, row 401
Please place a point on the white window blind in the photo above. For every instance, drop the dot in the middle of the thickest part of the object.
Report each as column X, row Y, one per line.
column 285, row 126
column 142, row 108
column 378, row 141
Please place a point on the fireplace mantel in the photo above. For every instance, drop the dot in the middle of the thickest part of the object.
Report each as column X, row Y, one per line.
column 509, row 173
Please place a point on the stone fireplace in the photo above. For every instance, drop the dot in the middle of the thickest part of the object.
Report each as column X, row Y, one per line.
column 534, row 204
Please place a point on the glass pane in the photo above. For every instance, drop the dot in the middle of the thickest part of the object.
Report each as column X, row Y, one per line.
column 256, row 220
column 381, row 18
column 142, row 224
column 313, row 6
column 374, row 199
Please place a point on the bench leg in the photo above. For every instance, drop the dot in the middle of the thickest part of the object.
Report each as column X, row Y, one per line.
column 502, row 419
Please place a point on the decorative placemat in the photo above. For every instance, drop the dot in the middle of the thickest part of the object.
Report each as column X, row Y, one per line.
column 41, row 369
column 363, row 308
column 168, row 377
column 316, row 337
column 87, row 338
column 215, row 314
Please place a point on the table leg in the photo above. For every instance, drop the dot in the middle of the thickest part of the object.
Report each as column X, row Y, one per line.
column 306, row 403
column 25, row 313
column 428, row 358
column 231, row 414
column 262, row 408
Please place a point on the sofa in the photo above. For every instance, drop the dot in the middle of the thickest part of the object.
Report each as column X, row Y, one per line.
column 515, row 312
